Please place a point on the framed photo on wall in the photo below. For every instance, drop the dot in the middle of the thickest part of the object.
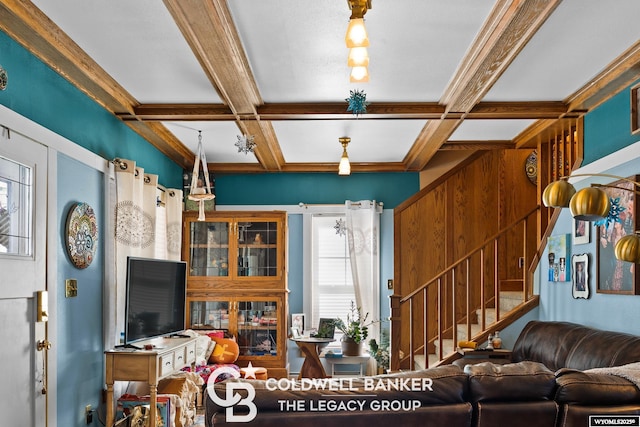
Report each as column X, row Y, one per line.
column 615, row 276
column 635, row 109
column 559, row 264
column 581, row 232
column 580, row 288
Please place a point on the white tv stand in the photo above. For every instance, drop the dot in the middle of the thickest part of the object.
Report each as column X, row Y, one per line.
column 167, row 356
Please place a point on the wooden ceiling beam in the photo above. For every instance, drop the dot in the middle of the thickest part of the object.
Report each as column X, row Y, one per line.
column 509, row 27
column 338, row 111
column 208, row 28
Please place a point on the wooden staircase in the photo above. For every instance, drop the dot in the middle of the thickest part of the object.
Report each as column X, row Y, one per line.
column 464, row 294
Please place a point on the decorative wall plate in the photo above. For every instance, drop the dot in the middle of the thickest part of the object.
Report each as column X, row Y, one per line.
column 4, row 78
column 82, row 235
column 531, row 167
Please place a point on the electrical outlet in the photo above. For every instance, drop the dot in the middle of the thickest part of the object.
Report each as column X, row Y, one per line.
column 70, row 288
column 88, row 413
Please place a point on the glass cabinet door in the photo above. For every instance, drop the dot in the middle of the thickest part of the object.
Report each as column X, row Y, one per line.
column 209, row 248
column 257, row 326
column 257, row 244
column 209, row 315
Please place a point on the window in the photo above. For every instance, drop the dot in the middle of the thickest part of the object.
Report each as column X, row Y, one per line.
column 331, row 279
column 15, row 208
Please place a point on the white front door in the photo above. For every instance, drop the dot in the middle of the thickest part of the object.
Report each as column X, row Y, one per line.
column 23, row 219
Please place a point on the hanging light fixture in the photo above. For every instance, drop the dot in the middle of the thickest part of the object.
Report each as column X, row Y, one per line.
column 200, row 190
column 344, row 168
column 594, row 204
column 359, row 75
column 356, row 33
column 358, row 57
column 357, row 41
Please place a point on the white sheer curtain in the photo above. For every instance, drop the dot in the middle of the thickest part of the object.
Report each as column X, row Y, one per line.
column 363, row 235
column 135, row 206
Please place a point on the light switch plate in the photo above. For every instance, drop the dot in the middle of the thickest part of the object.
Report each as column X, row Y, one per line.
column 70, row 288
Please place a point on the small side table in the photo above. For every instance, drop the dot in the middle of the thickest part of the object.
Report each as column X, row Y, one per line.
column 348, row 360
column 311, row 347
column 500, row 356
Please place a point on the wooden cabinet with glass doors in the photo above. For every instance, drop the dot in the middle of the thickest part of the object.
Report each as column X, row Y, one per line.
column 236, row 282
column 258, row 323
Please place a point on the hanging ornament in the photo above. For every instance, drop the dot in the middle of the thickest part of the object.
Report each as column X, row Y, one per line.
column 200, row 191
column 357, row 102
column 340, row 227
column 245, row 144
column 614, row 213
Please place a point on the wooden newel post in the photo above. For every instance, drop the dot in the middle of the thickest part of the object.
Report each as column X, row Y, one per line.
column 396, row 328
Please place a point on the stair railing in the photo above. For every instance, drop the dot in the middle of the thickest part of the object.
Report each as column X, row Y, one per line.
column 444, row 286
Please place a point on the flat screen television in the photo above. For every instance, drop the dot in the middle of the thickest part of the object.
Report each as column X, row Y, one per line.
column 155, row 298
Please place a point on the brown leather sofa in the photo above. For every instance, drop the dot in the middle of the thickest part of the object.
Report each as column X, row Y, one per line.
column 544, row 385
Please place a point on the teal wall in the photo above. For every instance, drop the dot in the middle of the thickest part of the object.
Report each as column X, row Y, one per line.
column 315, row 188
column 608, row 128
column 79, row 319
column 38, row 93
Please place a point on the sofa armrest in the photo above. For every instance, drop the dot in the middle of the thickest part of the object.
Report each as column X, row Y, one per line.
column 575, row 386
column 523, row 381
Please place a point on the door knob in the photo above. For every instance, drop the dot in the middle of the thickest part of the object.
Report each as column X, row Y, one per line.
column 43, row 345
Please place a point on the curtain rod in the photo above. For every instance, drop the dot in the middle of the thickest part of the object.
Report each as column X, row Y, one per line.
column 123, row 165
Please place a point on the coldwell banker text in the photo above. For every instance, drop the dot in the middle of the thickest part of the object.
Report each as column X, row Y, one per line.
column 349, row 405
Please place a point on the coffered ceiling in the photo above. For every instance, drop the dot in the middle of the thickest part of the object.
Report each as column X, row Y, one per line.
column 447, row 77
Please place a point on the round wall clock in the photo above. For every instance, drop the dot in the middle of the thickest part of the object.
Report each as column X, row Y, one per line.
column 82, row 235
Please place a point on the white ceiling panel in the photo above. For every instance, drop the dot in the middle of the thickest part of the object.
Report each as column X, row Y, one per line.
column 500, row 130
column 138, row 44
column 572, row 47
column 371, row 140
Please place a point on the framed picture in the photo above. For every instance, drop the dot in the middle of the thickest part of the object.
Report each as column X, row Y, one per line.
column 614, row 276
column 295, row 333
column 580, row 280
column 297, row 321
column 559, row 268
column 581, row 232
column 326, row 328
column 635, row 109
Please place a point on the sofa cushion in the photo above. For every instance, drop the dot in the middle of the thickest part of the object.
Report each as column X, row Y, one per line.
column 568, row 345
column 523, row 381
column 586, row 388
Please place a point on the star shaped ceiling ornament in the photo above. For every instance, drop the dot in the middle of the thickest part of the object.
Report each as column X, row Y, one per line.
column 357, row 102
column 614, row 213
column 340, row 227
column 245, row 144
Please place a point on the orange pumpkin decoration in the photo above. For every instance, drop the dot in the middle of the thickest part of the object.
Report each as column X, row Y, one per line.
column 225, row 351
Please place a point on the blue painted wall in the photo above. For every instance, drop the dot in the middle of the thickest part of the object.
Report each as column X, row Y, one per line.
column 38, row 93
column 607, row 129
column 79, row 346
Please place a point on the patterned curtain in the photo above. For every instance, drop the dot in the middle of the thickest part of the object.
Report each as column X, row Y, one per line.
column 363, row 236
column 145, row 224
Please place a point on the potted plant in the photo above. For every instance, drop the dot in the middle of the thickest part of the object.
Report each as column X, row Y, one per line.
column 355, row 330
column 380, row 352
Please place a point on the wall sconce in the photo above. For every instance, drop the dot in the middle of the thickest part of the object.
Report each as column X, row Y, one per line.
column 344, row 168
column 593, row 204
